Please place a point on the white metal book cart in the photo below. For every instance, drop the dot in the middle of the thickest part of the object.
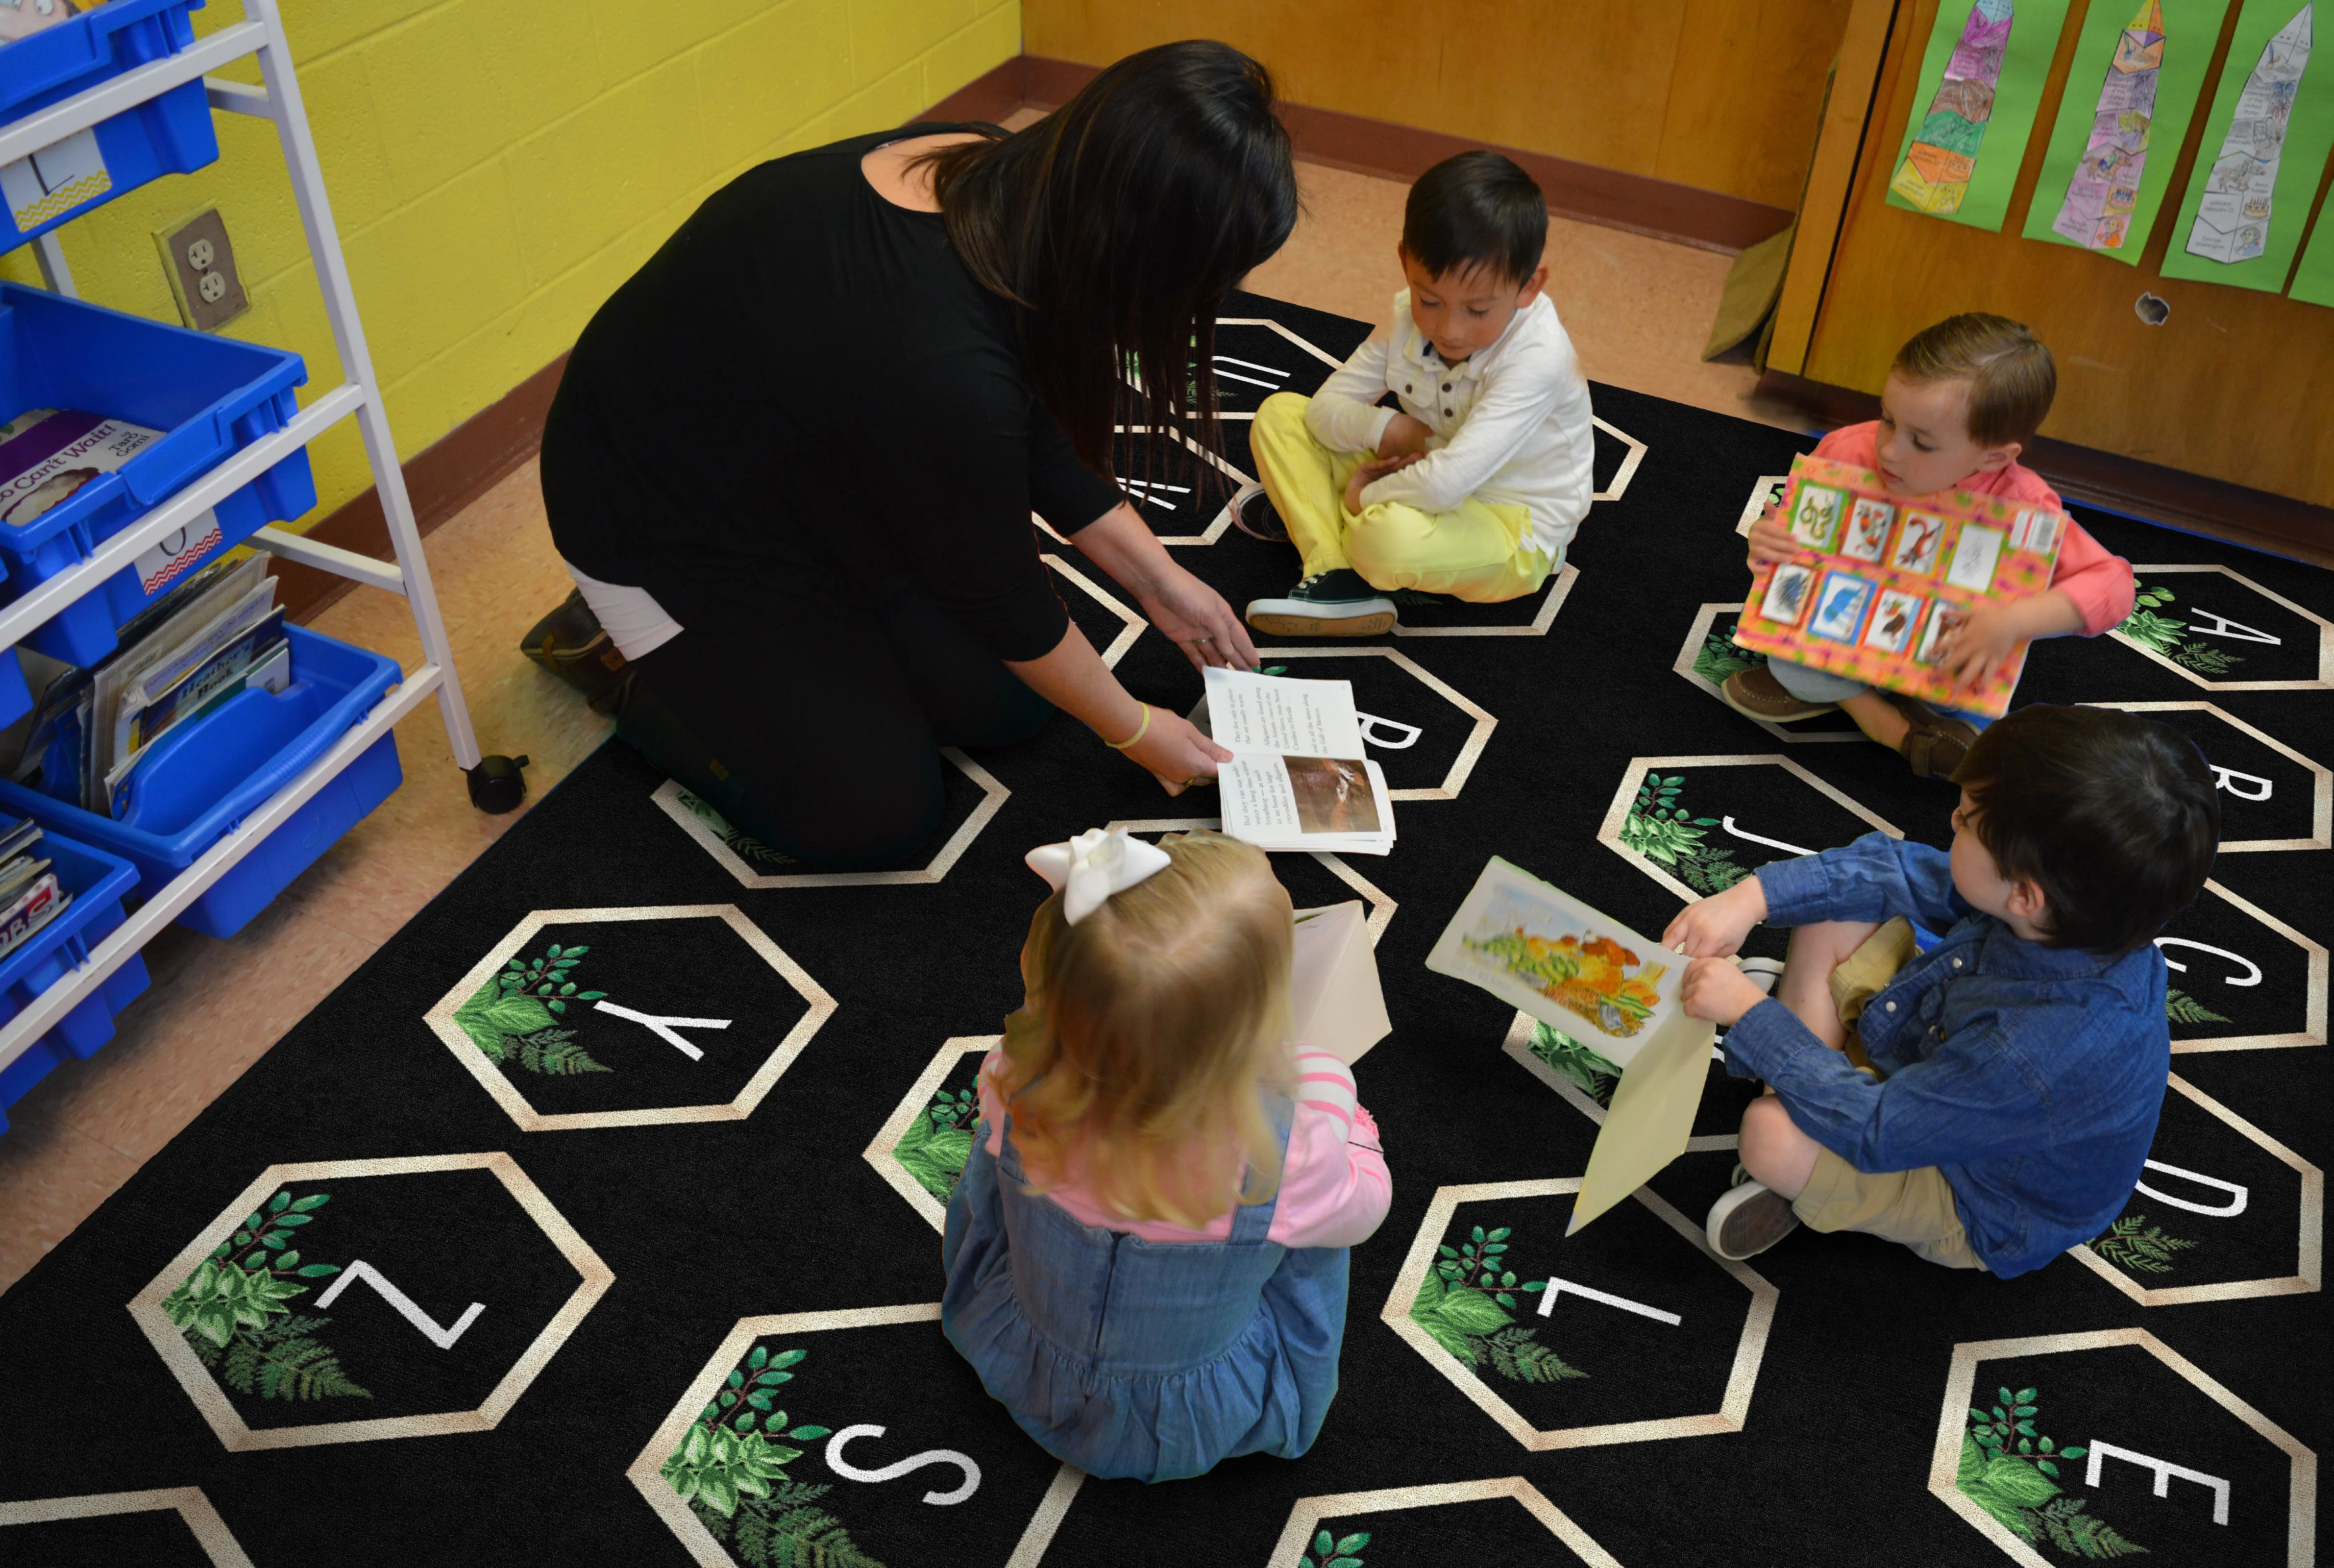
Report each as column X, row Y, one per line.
column 495, row 783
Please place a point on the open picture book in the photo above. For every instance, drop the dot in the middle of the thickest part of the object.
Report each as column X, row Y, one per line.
column 1881, row 580
column 1298, row 778
column 1334, row 1000
column 1602, row 985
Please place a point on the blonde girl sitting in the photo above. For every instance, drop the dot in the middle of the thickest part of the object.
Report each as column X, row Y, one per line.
column 1146, row 1253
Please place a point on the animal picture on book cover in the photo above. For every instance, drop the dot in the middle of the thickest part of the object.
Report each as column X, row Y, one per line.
column 1867, row 529
column 1543, row 945
column 1917, row 541
column 1942, row 620
column 1976, row 553
column 1892, row 623
column 1786, row 599
column 1815, row 517
column 1839, row 612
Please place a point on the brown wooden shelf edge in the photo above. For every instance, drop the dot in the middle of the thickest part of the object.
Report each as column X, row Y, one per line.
column 2147, row 491
column 1611, row 199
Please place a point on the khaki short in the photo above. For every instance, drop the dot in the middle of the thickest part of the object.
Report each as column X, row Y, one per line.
column 1913, row 1208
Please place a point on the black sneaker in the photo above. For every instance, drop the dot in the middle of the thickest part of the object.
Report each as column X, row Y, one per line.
column 1254, row 514
column 1338, row 603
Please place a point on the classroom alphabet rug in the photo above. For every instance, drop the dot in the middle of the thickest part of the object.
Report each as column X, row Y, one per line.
column 596, row 1218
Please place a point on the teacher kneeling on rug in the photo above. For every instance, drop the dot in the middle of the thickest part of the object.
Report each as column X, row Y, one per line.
column 793, row 460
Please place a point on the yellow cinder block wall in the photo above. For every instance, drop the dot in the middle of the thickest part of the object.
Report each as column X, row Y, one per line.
column 497, row 167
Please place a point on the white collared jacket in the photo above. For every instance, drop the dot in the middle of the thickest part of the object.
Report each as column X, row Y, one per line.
column 1511, row 424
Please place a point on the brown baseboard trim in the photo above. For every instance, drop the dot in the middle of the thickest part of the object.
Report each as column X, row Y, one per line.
column 440, row 480
column 1681, row 214
column 2148, row 491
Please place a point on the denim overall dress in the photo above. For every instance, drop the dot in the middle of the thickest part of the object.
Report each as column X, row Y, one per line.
column 1134, row 1358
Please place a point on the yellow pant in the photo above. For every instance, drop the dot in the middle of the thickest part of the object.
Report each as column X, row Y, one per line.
column 1475, row 552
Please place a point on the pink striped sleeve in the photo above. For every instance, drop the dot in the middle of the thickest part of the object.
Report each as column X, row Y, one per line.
column 1335, row 1189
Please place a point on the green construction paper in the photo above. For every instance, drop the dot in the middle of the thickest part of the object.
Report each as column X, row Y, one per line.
column 2018, row 93
column 2190, row 30
column 2309, row 136
column 2314, row 283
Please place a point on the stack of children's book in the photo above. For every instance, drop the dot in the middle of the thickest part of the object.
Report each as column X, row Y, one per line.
column 217, row 634
column 29, row 895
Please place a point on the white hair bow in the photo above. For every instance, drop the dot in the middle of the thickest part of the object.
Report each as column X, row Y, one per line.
column 1093, row 866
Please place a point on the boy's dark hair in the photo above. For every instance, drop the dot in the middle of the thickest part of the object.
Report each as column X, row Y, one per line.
column 1478, row 209
column 2012, row 377
column 2112, row 816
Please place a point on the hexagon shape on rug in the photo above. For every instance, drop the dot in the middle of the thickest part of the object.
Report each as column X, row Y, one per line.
column 1307, row 890
column 1699, row 824
column 1768, row 491
column 973, row 799
column 1634, row 1330
column 631, row 1018
column 448, row 1282
column 2242, row 979
column 1256, row 357
column 2223, row 1212
column 1403, row 726
column 1468, row 1535
column 2272, row 796
column 2221, row 630
column 921, row 1150
column 1709, row 656
column 839, row 1406
column 1180, row 490
column 2100, row 1444
column 192, row 1512
column 1584, row 1080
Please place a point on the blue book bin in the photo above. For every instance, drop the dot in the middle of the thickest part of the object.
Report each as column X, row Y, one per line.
column 210, row 396
column 97, row 882
column 204, row 777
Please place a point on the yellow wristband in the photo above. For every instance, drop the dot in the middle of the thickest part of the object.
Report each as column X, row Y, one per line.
column 1140, row 730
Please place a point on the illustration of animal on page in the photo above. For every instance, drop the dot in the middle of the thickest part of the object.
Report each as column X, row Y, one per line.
column 1840, row 610
column 1892, row 623
column 1916, row 544
column 1867, row 529
column 1814, row 516
column 1943, row 622
column 1976, row 552
column 1786, row 599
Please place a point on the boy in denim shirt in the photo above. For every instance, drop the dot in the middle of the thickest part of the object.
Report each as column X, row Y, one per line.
column 1989, row 1102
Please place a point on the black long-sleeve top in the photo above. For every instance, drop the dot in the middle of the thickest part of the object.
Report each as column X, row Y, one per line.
column 804, row 386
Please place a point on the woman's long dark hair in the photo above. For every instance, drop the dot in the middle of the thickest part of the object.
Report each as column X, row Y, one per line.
column 1119, row 223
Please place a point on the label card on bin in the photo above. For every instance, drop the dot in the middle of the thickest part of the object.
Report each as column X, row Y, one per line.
column 1335, row 996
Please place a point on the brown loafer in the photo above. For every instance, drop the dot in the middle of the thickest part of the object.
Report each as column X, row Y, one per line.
column 1933, row 744
column 1755, row 693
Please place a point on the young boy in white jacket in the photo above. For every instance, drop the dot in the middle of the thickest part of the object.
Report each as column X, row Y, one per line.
column 1474, row 487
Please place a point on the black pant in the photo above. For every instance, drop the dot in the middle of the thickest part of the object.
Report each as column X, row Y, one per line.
column 813, row 719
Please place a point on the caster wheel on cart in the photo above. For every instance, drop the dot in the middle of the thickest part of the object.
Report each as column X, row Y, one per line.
column 496, row 785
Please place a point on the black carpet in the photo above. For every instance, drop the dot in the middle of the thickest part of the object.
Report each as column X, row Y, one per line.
column 652, row 1239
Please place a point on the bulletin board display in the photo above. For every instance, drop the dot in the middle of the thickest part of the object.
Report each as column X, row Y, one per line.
column 1882, row 580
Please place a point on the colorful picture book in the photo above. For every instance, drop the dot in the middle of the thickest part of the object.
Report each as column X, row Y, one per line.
column 1883, row 580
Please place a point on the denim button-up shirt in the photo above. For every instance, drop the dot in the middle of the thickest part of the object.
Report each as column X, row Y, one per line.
column 2031, row 1076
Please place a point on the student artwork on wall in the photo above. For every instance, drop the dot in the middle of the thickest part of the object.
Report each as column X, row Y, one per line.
column 2264, row 147
column 1973, row 107
column 2137, row 72
column 1881, row 581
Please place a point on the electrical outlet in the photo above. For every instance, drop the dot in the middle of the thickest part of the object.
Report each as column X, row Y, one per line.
column 199, row 261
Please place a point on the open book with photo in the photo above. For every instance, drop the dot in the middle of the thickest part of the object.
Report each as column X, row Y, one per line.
column 1298, row 778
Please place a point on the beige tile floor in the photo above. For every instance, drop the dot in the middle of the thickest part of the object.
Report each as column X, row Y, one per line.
column 1637, row 309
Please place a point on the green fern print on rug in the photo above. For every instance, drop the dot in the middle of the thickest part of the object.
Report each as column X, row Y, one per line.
column 1660, row 828
column 1467, row 1302
column 1719, row 656
column 2134, row 1244
column 731, row 1470
column 2167, row 638
column 745, row 846
column 1335, row 1551
column 231, row 1308
column 1563, row 1055
column 2181, row 1008
column 937, row 1143
column 2011, row 1471
column 515, row 1017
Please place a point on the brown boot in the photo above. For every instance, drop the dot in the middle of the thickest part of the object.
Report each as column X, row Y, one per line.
column 1935, row 745
column 1755, row 693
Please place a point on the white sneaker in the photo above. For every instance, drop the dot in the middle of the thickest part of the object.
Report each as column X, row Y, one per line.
column 1747, row 1219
